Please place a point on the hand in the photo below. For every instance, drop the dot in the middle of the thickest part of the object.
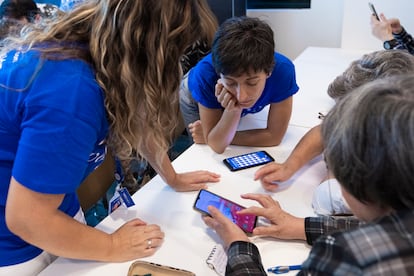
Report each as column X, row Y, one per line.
column 396, row 27
column 227, row 230
column 226, row 99
column 131, row 240
column 382, row 29
column 196, row 131
column 283, row 225
column 193, row 181
column 272, row 173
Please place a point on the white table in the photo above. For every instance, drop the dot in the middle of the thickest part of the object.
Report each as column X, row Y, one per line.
column 316, row 68
column 187, row 240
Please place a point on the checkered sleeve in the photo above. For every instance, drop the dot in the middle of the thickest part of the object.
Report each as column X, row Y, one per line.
column 323, row 225
column 405, row 41
column 330, row 256
column 244, row 259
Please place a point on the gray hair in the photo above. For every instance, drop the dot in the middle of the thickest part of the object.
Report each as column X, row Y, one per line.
column 369, row 67
column 369, row 142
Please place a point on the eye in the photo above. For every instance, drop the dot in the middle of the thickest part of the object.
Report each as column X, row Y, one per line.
column 251, row 83
column 231, row 84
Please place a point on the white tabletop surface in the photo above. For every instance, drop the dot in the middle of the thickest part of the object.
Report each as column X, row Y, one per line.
column 187, row 240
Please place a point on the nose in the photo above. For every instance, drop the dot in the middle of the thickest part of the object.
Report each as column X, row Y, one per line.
column 242, row 95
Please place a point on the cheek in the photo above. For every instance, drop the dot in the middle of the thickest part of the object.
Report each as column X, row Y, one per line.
column 255, row 92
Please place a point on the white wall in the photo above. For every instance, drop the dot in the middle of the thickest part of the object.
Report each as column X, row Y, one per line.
column 356, row 25
column 332, row 23
column 295, row 30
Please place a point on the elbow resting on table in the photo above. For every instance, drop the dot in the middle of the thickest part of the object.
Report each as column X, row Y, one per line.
column 218, row 149
column 16, row 223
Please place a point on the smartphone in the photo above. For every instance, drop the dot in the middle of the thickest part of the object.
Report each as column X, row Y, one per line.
column 206, row 198
column 248, row 160
column 374, row 12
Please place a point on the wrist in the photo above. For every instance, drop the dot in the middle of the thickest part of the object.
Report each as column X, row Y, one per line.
column 390, row 44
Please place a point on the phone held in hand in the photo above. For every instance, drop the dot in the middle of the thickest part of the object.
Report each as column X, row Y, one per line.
column 374, row 12
column 227, row 207
column 248, row 160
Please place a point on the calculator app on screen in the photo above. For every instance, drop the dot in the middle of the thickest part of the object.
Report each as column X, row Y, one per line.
column 248, row 160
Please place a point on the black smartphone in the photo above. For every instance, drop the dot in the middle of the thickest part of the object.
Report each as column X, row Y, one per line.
column 248, row 160
column 206, row 198
column 374, row 12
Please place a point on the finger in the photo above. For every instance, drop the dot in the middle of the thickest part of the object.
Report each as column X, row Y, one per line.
column 153, row 242
column 136, row 222
column 264, row 200
column 254, row 210
column 204, row 176
column 216, row 214
column 209, row 221
column 151, row 227
column 197, row 123
column 265, row 170
column 270, row 186
column 192, row 187
column 266, row 231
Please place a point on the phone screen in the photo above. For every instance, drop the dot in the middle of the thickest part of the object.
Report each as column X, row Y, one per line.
column 248, row 160
column 374, row 12
column 226, row 207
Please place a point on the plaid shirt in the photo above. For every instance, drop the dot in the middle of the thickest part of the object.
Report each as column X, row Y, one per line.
column 405, row 41
column 384, row 247
column 244, row 259
column 323, row 225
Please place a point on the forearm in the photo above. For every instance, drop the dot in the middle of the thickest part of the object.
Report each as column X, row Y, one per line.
column 323, row 225
column 61, row 235
column 405, row 40
column 257, row 138
column 309, row 147
column 165, row 169
column 244, row 259
column 222, row 134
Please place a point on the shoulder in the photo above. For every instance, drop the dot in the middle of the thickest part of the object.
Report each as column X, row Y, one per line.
column 282, row 59
column 284, row 67
column 372, row 243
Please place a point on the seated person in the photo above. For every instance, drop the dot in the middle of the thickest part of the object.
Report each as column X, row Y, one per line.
column 368, row 140
column 391, row 33
column 327, row 197
column 242, row 75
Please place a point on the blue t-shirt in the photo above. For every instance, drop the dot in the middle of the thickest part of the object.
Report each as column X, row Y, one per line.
column 52, row 134
column 279, row 86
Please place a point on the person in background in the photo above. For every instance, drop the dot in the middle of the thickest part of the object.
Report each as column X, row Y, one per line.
column 327, row 198
column 368, row 138
column 15, row 14
column 391, row 33
column 202, row 46
column 241, row 75
column 103, row 77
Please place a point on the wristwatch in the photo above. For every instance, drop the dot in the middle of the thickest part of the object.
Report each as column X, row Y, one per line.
column 390, row 44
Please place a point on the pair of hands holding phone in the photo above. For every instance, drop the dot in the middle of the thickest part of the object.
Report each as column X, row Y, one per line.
column 282, row 224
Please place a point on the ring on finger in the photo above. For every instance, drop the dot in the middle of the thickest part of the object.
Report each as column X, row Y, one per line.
column 149, row 243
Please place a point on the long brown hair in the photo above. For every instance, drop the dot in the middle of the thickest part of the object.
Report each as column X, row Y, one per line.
column 135, row 47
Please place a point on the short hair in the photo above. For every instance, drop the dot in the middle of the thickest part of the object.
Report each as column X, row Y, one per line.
column 242, row 44
column 369, row 142
column 18, row 9
column 369, row 67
